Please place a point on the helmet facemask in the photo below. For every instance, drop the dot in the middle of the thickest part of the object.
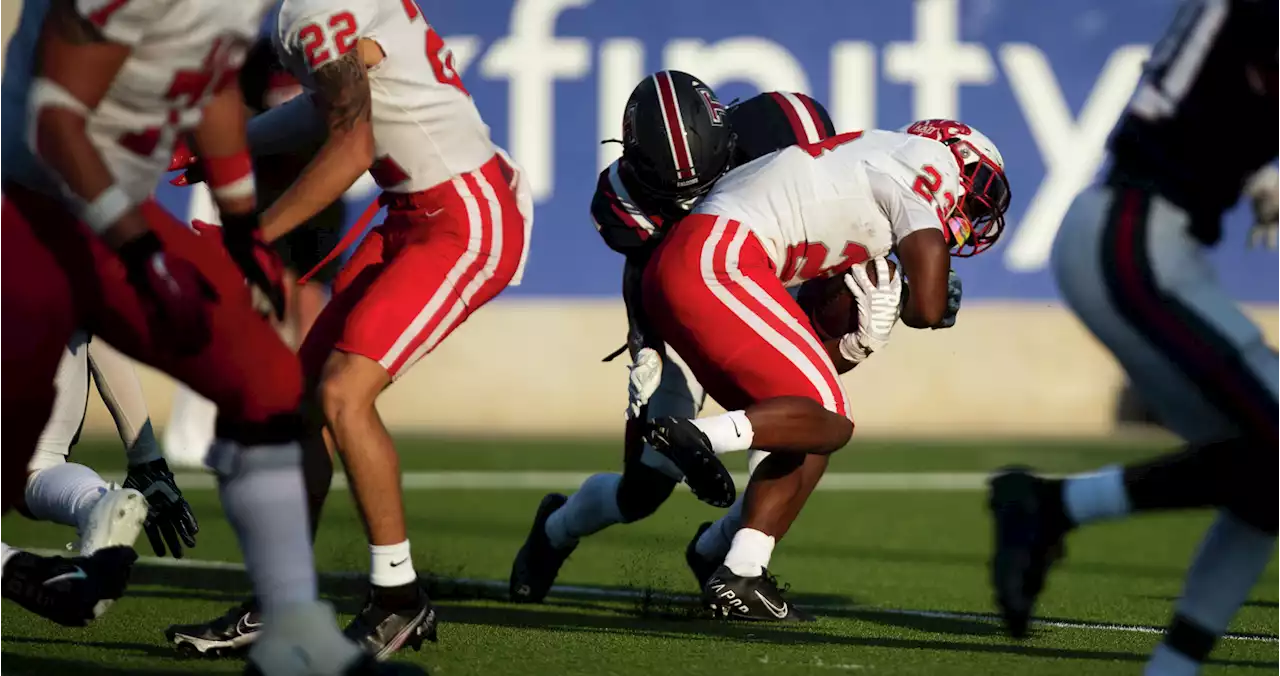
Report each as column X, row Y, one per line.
column 978, row 219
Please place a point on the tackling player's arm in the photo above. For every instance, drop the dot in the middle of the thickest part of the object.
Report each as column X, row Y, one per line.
column 343, row 99
column 79, row 60
column 76, row 68
column 224, row 154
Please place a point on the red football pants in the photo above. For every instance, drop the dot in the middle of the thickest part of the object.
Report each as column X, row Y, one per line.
column 58, row 276
column 440, row 254
column 714, row 296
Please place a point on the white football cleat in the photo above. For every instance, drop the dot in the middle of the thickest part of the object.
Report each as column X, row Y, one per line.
column 115, row 520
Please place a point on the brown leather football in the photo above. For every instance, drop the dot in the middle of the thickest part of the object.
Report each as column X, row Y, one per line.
column 830, row 305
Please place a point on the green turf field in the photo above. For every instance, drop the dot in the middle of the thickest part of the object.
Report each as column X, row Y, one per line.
column 898, row 577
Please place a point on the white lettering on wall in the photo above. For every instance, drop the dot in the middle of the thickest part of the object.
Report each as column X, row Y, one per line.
column 531, row 58
column 936, row 63
column 1072, row 149
column 621, row 68
column 760, row 62
column 853, row 86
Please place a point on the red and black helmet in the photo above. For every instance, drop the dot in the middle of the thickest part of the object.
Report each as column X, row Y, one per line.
column 676, row 136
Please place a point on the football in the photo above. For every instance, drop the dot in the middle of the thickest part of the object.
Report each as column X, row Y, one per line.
column 829, row 304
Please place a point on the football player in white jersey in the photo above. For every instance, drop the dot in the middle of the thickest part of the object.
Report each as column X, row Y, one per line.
column 95, row 92
column 384, row 97
column 716, row 289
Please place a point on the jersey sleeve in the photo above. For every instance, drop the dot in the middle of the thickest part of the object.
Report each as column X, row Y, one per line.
column 122, row 21
column 319, row 32
column 919, row 189
column 622, row 225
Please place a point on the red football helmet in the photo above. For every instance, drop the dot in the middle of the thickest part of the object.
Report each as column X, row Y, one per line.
column 978, row 220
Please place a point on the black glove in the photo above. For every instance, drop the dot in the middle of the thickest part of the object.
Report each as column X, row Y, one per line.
column 257, row 260
column 169, row 518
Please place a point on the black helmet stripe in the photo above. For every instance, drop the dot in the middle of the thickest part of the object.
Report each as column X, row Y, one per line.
column 675, row 125
column 804, row 119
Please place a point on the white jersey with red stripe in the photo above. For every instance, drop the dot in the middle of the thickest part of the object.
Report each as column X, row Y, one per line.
column 426, row 128
column 183, row 51
column 820, row 208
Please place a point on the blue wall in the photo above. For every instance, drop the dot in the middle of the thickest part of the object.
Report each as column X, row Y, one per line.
column 1000, row 47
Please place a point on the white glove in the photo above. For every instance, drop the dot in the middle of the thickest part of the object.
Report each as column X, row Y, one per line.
column 646, row 373
column 1262, row 191
column 878, row 307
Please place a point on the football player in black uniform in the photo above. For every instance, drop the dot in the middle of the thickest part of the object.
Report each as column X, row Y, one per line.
column 677, row 140
column 1130, row 261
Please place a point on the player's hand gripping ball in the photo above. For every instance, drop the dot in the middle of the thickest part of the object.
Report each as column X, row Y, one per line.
column 830, row 305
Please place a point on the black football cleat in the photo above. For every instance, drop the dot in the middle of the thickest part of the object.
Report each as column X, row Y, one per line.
column 538, row 563
column 749, row 598
column 686, row 446
column 701, row 568
column 365, row 666
column 228, row 635
column 72, row 592
column 380, row 629
column 1026, row 546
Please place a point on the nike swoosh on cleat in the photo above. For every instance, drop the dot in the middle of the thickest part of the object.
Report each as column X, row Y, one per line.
column 244, row 626
column 780, row 613
column 76, row 574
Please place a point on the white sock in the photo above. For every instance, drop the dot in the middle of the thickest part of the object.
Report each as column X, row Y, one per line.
column 715, row 541
column 728, row 432
column 1231, row 557
column 749, row 555
column 1166, row 661
column 266, row 504
column 1095, row 496
column 592, row 509
column 64, row 493
column 391, row 565
column 6, row 553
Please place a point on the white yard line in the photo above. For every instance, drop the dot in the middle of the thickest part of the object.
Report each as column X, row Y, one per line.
column 551, row 481
column 499, row 588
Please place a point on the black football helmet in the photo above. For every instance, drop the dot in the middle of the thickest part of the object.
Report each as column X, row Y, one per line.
column 676, row 137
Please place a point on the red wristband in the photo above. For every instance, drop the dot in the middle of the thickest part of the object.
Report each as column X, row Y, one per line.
column 230, row 176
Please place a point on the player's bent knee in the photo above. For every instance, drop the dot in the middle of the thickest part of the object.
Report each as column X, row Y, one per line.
column 838, row 431
column 1249, row 486
column 642, row 491
column 350, row 384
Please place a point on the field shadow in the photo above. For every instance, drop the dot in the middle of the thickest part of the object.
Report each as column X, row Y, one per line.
column 554, row 620
column 30, row 665
column 148, row 649
column 935, row 625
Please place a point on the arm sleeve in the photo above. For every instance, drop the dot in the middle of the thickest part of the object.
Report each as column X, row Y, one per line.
column 622, row 225
column 121, row 21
